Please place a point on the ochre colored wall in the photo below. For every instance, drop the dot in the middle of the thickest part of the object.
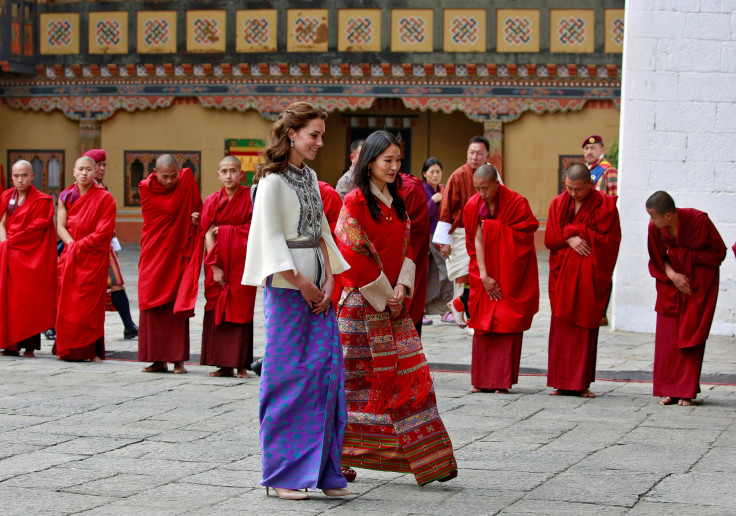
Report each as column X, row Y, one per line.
column 182, row 127
column 444, row 137
column 533, row 143
column 38, row 131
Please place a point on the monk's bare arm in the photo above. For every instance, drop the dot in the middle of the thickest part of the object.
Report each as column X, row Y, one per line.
column 61, row 230
column 680, row 281
column 489, row 284
column 3, row 233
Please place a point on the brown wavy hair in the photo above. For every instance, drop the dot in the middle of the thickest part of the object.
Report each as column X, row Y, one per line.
column 276, row 154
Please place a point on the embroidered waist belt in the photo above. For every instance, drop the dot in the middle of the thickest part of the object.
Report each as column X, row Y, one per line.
column 302, row 244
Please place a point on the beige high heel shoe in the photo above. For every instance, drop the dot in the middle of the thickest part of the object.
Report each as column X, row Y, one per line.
column 288, row 494
column 336, row 493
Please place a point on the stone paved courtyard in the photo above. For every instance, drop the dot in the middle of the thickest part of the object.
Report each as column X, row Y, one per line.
column 104, row 439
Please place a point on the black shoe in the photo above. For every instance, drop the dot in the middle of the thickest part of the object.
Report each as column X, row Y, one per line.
column 257, row 366
column 130, row 333
column 50, row 334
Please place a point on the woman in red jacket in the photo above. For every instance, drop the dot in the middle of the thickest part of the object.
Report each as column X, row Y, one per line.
column 387, row 379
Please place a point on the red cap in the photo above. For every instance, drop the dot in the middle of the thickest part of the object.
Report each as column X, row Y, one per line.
column 593, row 138
column 96, row 154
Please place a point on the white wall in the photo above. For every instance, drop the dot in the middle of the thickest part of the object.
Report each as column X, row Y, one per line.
column 678, row 134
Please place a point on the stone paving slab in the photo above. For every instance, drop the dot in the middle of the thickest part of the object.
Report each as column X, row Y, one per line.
column 189, row 445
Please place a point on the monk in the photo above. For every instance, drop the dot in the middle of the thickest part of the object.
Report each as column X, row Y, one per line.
column 115, row 283
column 685, row 255
column 171, row 207
column 85, row 222
column 27, row 264
column 227, row 335
column 450, row 231
column 583, row 235
column 504, row 285
column 412, row 190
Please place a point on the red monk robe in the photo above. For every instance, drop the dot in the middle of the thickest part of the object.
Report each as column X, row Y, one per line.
column 227, row 335
column 83, row 268
column 412, row 191
column 511, row 260
column 683, row 322
column 27, row 268
column 167, row 242
column 332, row 204
column 579, row 285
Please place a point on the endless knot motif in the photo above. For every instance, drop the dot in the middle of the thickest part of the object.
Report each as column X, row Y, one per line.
column 156, row 32
column 412, row 30
column 572, row 31
column 256, row 31
column 108, row 33
column 359, row 30
column 206, row 31
column 59, row 33
column 305, row 29
column 517, row 31
column 464, row 30
column 617, row 29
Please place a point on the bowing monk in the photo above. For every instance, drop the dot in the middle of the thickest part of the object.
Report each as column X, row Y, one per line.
column 171, row 206
column 85, row 222
column 583, row 235
column 222, row 237
column 412, row 190
column 685, row 255
column 504, row 287
column 27, row 263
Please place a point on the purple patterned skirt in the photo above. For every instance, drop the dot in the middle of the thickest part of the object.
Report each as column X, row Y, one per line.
column 302, row 396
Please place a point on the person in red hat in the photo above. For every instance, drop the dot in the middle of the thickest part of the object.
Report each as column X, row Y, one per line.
column 604, row 176
column 115, row 282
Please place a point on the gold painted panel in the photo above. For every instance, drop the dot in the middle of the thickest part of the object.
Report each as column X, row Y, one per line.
column 206, row 31
column 307, row 30
column 614, row 30
column 255, row 30
column 412, row 30
column 517, row 30
column 359, row 30
column 464, row 30
column 571, row 30
column 157, row 32
column 108, row 32
column 59, row 33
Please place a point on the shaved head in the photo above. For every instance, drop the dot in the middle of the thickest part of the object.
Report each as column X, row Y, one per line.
column 22, row 164
column 578, row 172
column 85, row 160
column 486, row 171
column 166, row 161
column 230, row 160
column 661, row 202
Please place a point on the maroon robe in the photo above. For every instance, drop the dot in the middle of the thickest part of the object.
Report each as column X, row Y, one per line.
column 412, row 191
column 510, row 259
column 27, row 267
column 332, row 204
column 167, row 241
column 227, row 336
column 683, row 322
column 579, row 285
column 83, row 268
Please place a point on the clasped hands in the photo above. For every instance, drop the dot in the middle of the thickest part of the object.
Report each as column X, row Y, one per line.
column 579, row 245
column 396, row 303
column 319, row 301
